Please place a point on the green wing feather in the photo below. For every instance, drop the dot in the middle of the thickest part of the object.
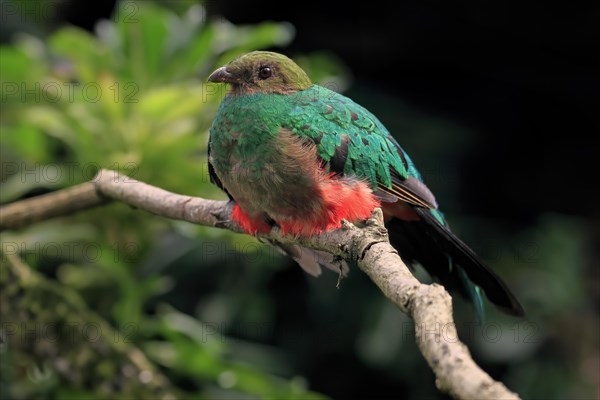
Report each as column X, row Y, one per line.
column 329, row 118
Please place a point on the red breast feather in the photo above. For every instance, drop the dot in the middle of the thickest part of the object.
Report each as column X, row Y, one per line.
column 346, row 198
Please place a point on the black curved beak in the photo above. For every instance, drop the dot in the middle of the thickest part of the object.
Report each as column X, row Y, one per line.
column 222, row 75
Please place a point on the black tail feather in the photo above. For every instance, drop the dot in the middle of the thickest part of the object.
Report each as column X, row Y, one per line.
column 431, row 244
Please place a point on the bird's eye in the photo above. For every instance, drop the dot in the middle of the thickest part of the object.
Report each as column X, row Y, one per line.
column 265, row 72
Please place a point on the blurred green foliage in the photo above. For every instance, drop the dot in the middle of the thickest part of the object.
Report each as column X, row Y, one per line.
column 131, row 98
column 221, row 315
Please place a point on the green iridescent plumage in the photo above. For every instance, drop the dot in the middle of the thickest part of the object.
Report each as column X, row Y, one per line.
column 322, row 116
column 326, row 116
column 275, row 130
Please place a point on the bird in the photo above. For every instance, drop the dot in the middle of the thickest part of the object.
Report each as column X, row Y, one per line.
column 301, row 157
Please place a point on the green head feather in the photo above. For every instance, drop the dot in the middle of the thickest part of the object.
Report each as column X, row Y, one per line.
column 262, row 72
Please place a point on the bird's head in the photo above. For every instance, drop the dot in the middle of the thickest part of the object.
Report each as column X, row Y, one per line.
column 262, row 72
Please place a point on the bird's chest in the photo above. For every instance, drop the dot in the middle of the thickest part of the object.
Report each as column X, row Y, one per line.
column 244, row 162
column 243, row 134
column 266, row 169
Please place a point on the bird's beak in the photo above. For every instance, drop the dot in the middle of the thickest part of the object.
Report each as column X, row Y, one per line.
column 222, row 75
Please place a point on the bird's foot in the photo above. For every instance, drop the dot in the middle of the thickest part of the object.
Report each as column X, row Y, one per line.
column 224, row 224
column 219, row 222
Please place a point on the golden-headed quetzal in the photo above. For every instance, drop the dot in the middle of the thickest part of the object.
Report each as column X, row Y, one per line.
column 301, row 157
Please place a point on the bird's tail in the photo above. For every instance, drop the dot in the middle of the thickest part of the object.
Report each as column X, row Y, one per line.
column 430, row 242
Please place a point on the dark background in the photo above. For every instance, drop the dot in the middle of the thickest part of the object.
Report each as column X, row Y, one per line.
column 524, row 77
column 520, row 79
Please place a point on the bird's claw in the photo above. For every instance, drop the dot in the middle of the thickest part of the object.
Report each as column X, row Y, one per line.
column 340, row 277
column 222, row 223
column 341, row 271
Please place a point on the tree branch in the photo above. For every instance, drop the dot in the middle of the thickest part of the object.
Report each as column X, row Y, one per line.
column 430, row 306
column 40, row 208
